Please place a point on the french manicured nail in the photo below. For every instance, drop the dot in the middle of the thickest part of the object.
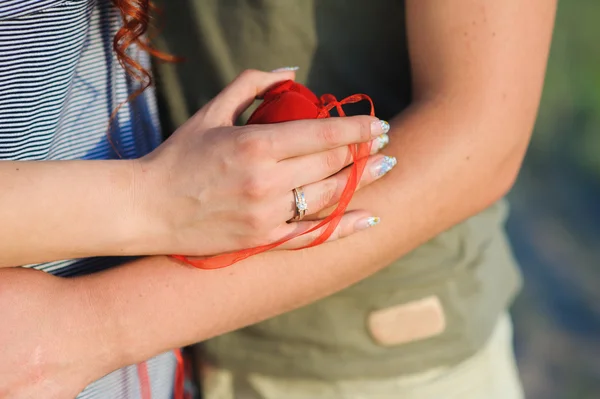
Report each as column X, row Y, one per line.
column 285, row 69
column 379, row 127
column 380, row 143
column 383, row 166
column 365, row 223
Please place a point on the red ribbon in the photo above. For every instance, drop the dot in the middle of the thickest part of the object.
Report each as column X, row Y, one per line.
column 179, row 389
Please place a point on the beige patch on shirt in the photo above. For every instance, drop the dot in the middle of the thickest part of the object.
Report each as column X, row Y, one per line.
column 407, row 322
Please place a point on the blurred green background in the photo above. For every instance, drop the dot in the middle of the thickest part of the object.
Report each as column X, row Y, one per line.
column 555, row 221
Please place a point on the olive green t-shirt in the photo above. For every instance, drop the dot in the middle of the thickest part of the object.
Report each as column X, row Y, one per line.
column 434, row 307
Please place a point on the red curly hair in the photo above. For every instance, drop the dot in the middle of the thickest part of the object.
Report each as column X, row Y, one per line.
column 136, row 16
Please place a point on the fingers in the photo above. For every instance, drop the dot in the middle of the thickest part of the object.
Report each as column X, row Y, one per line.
column 315, row 167
column 239, row 94
column 326, row 193
column 297, row 138
column 352, row 222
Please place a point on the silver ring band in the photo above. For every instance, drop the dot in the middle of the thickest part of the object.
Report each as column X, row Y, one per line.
column 301, row 205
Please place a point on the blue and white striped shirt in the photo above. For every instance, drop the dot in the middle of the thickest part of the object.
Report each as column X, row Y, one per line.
column 59, row 83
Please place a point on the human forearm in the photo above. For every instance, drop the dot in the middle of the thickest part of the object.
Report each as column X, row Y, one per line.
column 51, row 210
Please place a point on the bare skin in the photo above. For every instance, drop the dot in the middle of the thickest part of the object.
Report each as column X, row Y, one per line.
column 478, row 73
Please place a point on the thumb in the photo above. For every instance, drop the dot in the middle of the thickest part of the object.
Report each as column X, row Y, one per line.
column 239, row 94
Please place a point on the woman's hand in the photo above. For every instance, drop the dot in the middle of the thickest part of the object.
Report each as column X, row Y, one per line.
column 213, row 187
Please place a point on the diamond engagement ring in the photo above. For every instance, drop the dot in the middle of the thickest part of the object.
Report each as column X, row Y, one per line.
column 301, row 206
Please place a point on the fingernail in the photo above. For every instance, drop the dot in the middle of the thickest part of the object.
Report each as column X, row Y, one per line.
column 384, row 165
column 380, row 143
column 365, row 223
column 285, row 69
column 379, row 127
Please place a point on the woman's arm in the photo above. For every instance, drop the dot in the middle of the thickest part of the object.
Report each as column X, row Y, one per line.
column 211, row 188
column 478, row 75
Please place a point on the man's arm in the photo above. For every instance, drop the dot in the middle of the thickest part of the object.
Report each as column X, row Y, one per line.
column 478, row 71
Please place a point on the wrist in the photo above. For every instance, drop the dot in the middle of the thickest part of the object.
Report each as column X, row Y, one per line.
column 146, row 225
